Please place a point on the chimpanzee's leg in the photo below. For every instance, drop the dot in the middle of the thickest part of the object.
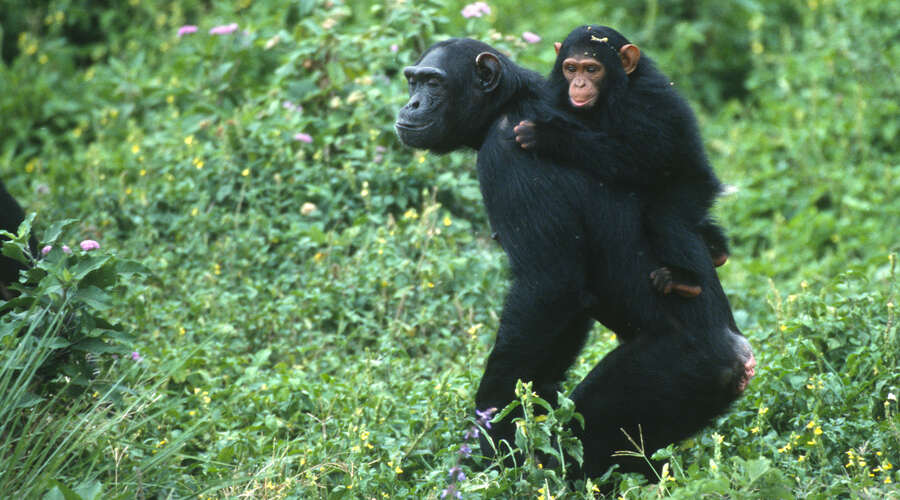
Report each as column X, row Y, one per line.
column 542, row 328
column 659, row 389
column 678, row 245
column 716, row 240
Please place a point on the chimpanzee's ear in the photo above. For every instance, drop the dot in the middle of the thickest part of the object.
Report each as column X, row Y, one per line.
column 630, row 55
column 489, row 70
column 557, row 46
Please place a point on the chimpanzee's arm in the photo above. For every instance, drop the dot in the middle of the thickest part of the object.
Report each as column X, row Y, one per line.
column 574, row 145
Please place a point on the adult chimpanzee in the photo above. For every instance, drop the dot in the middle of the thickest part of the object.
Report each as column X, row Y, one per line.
column 11, row 215
column 630, row 126
column 574, row 246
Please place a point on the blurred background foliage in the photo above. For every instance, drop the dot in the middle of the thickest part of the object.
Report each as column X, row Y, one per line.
column 319, row 300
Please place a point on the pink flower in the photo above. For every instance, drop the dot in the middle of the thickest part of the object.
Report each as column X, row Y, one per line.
column 66, row 249
column 136, row 356
column 187, row 29
column 476, row 9
column 291, row 106
column 46, row 250
column 394, row 47
column 300, row 136
column 88, row 245
column 225, row 29
column 530, row 37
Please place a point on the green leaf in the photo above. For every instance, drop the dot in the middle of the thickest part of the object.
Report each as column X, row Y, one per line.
column 53, row 231
column 93, row 297
column 88, row 264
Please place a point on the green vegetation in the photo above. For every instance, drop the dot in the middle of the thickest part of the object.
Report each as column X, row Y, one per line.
column 287, row 303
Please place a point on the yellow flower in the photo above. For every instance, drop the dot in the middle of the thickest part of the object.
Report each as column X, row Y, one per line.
column 811, row 424
column 135, row 149
column 355, row 96
column 189, row 140
column 818, row 431
column 245, row 172
column 763, row 410
column 398, row 470
column 801, row 458
column 754, row 430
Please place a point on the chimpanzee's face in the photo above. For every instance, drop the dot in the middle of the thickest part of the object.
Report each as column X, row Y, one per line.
column 422, row 122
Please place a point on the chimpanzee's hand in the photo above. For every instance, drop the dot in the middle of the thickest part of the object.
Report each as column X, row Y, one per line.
column 526, row 134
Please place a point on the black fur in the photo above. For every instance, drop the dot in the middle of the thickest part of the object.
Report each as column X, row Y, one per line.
column 11, row 215
column 574, row 246
column 641, row 134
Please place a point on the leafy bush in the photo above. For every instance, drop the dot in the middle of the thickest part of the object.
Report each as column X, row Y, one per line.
column 322, row 299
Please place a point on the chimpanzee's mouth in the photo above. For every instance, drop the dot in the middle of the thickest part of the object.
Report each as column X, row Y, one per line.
column 411, row 126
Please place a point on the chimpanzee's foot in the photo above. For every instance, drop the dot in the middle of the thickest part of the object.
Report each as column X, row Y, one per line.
column 749, row 372
column 720, row 259
column 664, row 283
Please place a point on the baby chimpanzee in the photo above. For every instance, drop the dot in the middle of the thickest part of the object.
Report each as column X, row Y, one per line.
column 623, row 121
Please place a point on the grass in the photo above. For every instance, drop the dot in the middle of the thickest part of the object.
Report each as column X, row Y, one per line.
column 311, row 319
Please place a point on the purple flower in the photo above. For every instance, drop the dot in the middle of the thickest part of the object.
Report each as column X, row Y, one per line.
column 186, row 30
column 451, row 491
column 530, row 37
column 484, row 417
column 465, row 451
column 88, row 245
column 225, row 29
column 136, row 356
column 46, row 250
column 66, row 249
column 456, row 474
column 476, row 9
column 394, row 47
column 303, row 137
column 471, row 433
